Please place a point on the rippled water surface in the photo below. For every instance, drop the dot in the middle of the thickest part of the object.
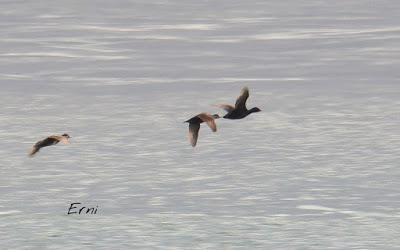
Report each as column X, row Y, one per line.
column 318, row 168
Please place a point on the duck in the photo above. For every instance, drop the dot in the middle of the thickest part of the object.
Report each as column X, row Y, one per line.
column 194, row 125
column 240, row 110
column 49, row 141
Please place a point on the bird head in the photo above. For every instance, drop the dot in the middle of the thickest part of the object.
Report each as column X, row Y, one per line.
column 255, row 109
column 66, row 136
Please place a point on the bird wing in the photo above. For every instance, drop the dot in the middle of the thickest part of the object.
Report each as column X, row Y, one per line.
column 51, row 140
column 34, row 150
column 228, row 108
column 241, row 100
column 209, row 119
column 193, row 133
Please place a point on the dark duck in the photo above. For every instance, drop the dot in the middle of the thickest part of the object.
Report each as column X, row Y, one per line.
column 194, row 125
column 240, row 110
column 49, row 141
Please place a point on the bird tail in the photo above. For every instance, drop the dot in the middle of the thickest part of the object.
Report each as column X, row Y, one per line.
column 33, row 151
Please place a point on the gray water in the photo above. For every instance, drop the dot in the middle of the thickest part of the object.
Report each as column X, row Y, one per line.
column 318, row 168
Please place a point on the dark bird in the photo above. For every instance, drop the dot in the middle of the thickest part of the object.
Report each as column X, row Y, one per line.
column 194, row 125
column 51, row 140
column 239, row 111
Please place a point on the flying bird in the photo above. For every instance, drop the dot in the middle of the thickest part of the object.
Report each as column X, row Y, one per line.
column 49, row 141
column 240, row 110
column 194, row 125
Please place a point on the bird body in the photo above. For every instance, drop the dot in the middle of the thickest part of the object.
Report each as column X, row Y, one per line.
column 194, row 125
column 240, row 110
column 195, row 119
column 49, row 141
column 237, row 114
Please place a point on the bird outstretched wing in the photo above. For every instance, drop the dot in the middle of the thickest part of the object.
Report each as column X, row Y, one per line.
column 193, row 133
column 33, row 151
column 241, row 100
column 51, row 140
column 228, row 108
column 209, row 119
